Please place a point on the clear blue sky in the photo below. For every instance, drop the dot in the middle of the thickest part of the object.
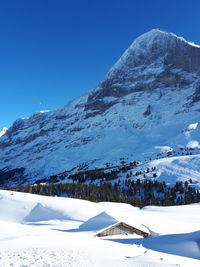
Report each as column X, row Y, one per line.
column 52, row 51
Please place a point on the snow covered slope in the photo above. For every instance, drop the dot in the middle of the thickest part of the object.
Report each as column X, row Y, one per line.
column 51, row 231
column 148, row 99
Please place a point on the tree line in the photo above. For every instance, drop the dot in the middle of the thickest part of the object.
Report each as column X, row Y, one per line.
column 138, row 193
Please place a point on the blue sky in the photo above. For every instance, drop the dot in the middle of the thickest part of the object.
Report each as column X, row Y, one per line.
column 52, row 51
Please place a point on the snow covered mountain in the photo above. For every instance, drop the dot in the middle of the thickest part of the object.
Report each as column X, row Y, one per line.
column 149, row 100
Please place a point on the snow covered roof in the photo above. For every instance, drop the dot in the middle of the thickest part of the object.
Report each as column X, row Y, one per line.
column 105, row 220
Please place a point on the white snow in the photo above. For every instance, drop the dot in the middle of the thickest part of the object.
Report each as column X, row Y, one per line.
column 110, row 217
column 98, row 222
column 193, row 44
column 193, row 144
column 179, row 168
column 164, row 149
column 192, row 126
column 3, row 131
column 43, row 111
column 58, row 232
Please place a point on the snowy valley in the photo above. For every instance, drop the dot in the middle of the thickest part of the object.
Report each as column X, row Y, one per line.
column 58, row 232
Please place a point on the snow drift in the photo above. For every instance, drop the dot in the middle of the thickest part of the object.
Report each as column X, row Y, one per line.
column 48, row 237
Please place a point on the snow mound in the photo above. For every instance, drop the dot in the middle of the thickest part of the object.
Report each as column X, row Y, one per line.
column 15, row 208
column 42, row 213
column 164, row 149
column 98, row 222
column 193, row 144
column 186, row 245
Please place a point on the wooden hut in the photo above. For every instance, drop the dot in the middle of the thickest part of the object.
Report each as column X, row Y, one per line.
column 121, row 228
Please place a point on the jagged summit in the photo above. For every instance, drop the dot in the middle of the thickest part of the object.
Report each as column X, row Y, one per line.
column 159, row 47
column 154, row 57
column 157, row 39
column 151, row 38
column 156, row 35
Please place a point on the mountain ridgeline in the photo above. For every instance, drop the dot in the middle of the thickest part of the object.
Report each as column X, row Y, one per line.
column 145, row 103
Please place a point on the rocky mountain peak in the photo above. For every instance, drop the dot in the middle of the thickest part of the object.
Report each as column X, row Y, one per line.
column 156, row 57
column 156, row 45
column 157, row 48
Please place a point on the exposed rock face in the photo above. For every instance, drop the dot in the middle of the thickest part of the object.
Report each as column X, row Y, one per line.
column 153, row 86
column 147, row 111
column 156, row 54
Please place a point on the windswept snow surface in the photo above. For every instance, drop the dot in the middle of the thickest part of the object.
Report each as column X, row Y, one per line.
column 59, row 232
column 176, row 169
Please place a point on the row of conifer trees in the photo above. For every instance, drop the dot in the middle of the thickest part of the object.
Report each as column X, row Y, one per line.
column 137, row 193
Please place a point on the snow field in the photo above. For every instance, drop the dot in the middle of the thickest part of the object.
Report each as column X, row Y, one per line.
column 37, row 257
column 59, row 232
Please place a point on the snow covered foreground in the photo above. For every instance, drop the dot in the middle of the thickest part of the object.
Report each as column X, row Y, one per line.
column 52, row 231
